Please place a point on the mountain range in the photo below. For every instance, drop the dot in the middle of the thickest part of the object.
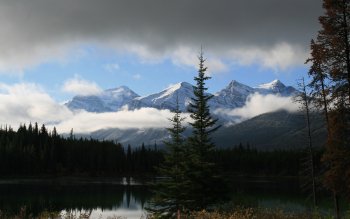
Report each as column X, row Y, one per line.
column 232, row 96
column 266, row 131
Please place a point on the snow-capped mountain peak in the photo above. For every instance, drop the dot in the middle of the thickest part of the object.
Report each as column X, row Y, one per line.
column 276, row 87
column 275, row 84
column 173, row 89
column 236, row 87
column 234, row 95
column 122, row 91
column 107, row 101
column 166, row 99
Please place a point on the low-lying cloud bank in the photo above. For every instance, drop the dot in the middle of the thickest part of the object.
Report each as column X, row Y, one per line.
column 86, row 122
column 25, row 103
column 257, row 104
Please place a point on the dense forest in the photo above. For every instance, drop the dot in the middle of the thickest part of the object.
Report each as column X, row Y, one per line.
column 33, row 151
column 245, row 160
column 36, row 151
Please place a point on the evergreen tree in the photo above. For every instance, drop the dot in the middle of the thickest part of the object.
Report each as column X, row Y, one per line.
column 206, row 186
column 330, row 58
column 171, row 196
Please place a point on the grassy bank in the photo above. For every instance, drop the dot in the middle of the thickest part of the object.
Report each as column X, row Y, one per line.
column 251, row 213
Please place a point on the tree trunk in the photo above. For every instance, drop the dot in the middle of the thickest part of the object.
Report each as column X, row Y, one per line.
column 336, row 205
column 311, row 154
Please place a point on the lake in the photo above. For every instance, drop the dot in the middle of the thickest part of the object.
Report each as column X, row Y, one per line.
column 128, row 198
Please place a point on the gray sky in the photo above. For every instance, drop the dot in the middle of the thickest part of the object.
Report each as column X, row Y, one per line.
column 35, row 30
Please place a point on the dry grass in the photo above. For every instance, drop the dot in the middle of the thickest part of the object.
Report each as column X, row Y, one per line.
column 250, row 213
column 253, row 213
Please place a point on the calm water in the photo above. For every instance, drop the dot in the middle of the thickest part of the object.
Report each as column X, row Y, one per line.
column 102, row 201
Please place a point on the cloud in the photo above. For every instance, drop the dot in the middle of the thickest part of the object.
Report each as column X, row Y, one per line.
column 79, row 86
column 189, row 57
column 86, row 122
column 38, row 31
column 16, row 60
column 279, row 57
column 25, row 102
column 257, row 104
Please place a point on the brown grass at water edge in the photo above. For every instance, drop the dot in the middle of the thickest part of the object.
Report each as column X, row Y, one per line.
column 251, row 213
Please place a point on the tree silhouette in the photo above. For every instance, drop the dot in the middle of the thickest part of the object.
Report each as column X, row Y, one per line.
column 171, row 197
column 330, row 73
column 207, row 187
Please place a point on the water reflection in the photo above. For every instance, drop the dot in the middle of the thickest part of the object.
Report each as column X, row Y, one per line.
column 101, row 199
column 127, row 197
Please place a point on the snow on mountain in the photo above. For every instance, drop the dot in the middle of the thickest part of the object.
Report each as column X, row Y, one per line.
column 232, row 96
column 108, row 101
column 273, row 85
column 167, row 98
column 276, row 87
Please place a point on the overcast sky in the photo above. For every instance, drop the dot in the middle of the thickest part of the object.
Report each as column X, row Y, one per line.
column 69, row 47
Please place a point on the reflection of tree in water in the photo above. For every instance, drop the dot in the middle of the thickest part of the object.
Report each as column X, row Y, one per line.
column 37, row 199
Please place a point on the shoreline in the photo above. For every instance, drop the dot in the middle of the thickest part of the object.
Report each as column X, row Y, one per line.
column 74, row 180
column 137, row 180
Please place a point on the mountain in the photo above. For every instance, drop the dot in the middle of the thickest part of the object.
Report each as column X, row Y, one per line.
column 276, row 87
column 236, row 94
column 267, row 131
column 232, row 96
column 107, row 101
column 167, row 98
column 275, row 130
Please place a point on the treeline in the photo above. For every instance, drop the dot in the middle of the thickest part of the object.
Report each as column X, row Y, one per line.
column 33, row 151
column 245, row 160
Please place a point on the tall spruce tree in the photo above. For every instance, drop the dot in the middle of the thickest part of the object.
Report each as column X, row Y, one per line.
column 171, row 193
column 206, row 185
